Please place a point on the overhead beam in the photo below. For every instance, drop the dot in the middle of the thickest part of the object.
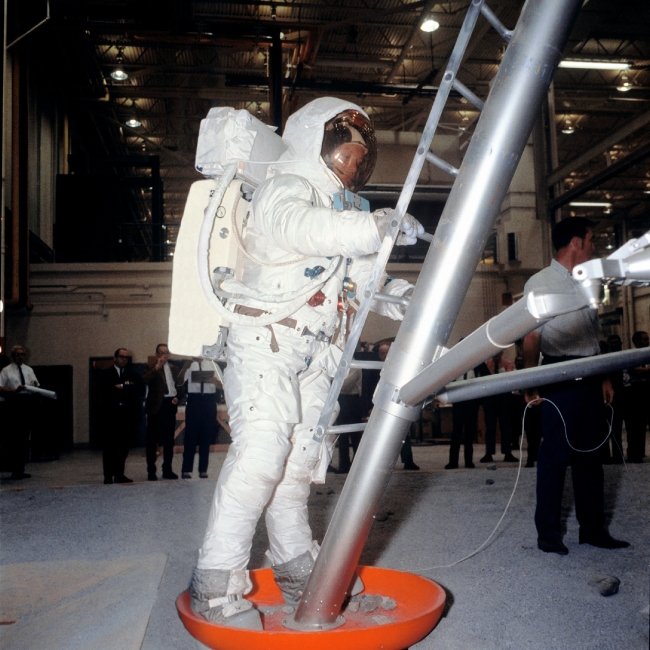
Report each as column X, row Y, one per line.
column 604, row 145
column 617, row 168
column 415, row 34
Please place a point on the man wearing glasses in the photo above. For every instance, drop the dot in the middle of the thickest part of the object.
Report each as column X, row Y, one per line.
column 121, row 390
column 15, row 381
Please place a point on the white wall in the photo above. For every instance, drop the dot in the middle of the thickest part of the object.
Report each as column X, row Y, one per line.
column 395, row 153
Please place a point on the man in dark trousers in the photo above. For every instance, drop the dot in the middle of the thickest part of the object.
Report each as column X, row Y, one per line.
column 638, row 411
column 122, row 390
column 160, row 407
column 573, row 439
column 203, row 390
column 19, row 410
column 464, row 416
column 369, row 384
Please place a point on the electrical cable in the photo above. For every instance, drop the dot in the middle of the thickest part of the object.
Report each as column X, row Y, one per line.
column 514, row 489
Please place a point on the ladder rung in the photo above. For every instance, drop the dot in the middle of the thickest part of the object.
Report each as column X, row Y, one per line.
column 366, row 365
column 345, row 428
column 468, row 94
column 441, row 164
column 506, row 34
column 396, row 300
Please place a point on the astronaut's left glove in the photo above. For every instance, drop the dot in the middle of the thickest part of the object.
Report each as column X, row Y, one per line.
column 410, row 228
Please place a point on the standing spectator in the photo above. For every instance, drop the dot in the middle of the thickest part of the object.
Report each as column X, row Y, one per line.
column 614, row 344
column 122, row 390
column 350, row 413
column 19, row 409
column 572, row 439
column 200, row 413
column 498, row 407
column 161, row 407
column 532, row 420
column 638, row 409
column 370, row 381
column 464, row 417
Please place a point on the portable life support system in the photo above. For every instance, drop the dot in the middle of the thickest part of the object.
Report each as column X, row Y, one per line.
column 234, row 151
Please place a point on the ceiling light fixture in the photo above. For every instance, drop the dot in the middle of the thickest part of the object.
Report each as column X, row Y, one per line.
column 133, row 121
column 118, row 74
column 568, row 127
column 429, row 25
column 626, row 84
column 595, row 65
column 590, row 204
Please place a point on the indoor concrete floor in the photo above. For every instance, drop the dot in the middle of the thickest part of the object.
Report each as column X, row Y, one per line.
column 93, row 566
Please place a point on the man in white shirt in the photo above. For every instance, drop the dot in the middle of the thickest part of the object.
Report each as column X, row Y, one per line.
column 14, row 382
column 573, row 415
column 161, row 407
column 200, row 413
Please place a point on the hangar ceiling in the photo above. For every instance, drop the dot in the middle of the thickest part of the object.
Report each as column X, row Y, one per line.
column 182, row 57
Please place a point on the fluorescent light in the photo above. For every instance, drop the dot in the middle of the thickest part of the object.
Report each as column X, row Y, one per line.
column 119, row 75
column 133, row 123
column 429, row 25
column 591, row 204
column 595, row 65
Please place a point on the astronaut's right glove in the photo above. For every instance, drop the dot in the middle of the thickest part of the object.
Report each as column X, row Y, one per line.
column 410, row 227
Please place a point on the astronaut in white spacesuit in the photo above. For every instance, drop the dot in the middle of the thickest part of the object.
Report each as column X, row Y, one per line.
column 277, row 377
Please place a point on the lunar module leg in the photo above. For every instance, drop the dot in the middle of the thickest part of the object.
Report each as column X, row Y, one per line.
column 469, row 215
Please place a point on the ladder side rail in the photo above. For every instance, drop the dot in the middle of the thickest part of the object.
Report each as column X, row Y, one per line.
column 400, row 210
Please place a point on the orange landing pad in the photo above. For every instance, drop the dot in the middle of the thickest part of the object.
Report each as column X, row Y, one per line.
column 419, row 606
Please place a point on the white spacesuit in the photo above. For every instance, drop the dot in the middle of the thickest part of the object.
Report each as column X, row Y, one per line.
column 277, row 377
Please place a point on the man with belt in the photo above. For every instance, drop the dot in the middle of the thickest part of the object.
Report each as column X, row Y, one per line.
column 574, row 424
column 161, row 407
column 200, row 413
column 19, row 409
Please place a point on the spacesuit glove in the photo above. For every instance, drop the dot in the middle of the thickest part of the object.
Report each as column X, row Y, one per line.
column 382, row 219
column 410, row 228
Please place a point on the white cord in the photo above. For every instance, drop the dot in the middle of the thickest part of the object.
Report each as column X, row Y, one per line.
column 514, row 489
column 566, row 435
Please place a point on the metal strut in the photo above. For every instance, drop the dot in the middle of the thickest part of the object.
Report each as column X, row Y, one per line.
column 473, row 205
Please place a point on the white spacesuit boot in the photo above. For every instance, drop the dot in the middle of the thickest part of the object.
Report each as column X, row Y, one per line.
column 218, row 596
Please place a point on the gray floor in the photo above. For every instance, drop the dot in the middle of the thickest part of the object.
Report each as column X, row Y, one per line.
column 91, row 566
